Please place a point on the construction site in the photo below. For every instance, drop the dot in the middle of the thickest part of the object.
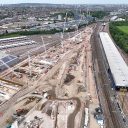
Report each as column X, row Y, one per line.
column 54, row 88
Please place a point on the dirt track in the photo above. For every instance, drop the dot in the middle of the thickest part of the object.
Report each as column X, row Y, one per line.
column 71, row 118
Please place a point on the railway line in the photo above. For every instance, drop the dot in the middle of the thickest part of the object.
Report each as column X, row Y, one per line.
column 113, row 116
column 122, row 95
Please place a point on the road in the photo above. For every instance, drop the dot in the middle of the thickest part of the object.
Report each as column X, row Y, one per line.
column 112, row 113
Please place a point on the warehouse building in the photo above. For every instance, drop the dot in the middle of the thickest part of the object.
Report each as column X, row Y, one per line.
column 118, row 69
column 7, row 60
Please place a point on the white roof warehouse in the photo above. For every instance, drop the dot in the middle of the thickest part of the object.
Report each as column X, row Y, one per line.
column 118, row 67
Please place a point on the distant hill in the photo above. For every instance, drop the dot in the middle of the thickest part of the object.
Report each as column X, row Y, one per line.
column 35, row 5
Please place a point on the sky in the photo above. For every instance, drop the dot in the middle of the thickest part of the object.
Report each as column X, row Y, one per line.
column 66, row 1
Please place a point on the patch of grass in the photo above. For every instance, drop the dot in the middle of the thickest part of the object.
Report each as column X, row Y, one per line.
column 9, row 36
column 123, row 29
column 119, row 32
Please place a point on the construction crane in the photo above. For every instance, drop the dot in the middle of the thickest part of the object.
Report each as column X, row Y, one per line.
column 62, row 37
column 62, row 33
column 43, row 44
column 29, row 63
column 33, row 50
column 45, row 61
column 78, row 35
column 65, row 22
column 69, row 35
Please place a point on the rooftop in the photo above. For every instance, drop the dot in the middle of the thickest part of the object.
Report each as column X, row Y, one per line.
column 119, row 68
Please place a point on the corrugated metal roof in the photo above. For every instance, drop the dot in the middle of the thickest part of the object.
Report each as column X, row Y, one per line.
column 117, row 64
column 114, row 18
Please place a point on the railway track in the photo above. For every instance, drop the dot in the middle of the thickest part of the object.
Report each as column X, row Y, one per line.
column 107, row 99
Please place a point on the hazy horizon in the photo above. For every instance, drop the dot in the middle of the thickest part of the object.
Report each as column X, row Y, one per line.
column 65, row 1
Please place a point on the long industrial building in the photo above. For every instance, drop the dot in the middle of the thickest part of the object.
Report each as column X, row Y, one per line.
column 15, row 42
column 118, row 69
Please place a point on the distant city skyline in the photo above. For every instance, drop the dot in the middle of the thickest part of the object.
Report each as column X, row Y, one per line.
column 66, row 1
